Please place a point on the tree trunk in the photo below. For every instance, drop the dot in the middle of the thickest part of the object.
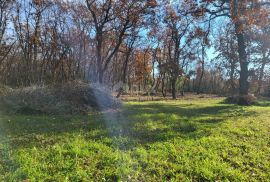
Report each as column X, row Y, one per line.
column 121, row 89
column 238, row 25
column 100, row 76
column 173, row 88
column 232, row 78
column 243, row 81
column 183, row 88
column 99, row 39
column 200, row 79
column 202, row 72
column 261, row 76
column 163, row 89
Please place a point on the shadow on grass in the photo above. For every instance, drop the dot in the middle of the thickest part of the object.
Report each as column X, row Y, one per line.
column 141, row 124
column 263, row 103
column 185, row 121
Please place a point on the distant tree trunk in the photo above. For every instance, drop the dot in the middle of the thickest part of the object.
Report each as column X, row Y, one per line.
column 121, row 89
column 202, row 72
column 188, row 85
column 99, row 40
column 200, row 79
column 163, row 87
column 157, row 84
column 100, row 76
column 153, row 85
column 183, row 87
column 173, row 82
column 261, row 75
column 232, row 79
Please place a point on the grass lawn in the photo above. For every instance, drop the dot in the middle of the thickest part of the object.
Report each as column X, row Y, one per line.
column 184, row 140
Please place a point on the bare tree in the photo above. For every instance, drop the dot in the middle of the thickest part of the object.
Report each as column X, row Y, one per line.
column 112, row 20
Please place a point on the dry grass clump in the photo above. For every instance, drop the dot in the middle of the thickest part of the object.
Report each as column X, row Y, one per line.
column 72, row 97
column 245, row 100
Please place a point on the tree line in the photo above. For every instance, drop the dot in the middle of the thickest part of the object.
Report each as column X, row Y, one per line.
column 153, row 46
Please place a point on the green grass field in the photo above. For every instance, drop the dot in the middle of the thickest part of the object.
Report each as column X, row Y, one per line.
column 184, row 140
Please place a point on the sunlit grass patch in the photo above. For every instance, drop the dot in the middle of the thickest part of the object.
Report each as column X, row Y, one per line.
column 184, row 140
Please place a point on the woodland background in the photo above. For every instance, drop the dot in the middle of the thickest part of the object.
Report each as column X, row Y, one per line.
column 167, row 47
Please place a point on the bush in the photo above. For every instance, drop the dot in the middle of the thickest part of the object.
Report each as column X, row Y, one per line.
column 267, row 92
column 4, row 90
column 246, row 100
column 72, row 97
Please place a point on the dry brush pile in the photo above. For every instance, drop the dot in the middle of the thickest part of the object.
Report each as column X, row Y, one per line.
column 68, row 98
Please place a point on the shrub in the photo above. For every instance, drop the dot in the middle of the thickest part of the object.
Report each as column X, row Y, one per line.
column 4, row 89
column 241, row 100
column 231, row 100
column 247, row 100
column 72, row 97
column 267, row 92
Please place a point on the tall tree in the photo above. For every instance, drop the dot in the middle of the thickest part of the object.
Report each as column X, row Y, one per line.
column 243, row 14
column 112, row 19
column 261, row 50
column 177, row 31
column 5, row 13
column 227, row 56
